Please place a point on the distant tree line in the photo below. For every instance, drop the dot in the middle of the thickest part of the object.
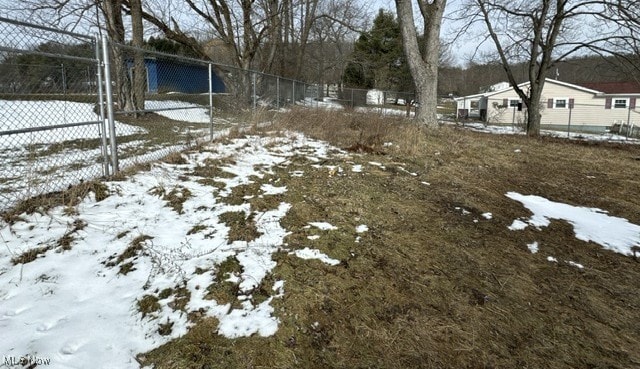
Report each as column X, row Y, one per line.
column 469, row 79
column 21, row 73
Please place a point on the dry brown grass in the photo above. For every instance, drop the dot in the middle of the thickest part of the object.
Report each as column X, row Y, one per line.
column 242, row 227
column 428, row 286
column 70, row 198
column 126, row 259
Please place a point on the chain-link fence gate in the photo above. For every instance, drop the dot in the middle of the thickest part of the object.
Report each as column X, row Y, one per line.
column 51, row 118
column 62, row 123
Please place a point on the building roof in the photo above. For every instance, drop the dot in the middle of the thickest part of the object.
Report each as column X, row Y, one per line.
column 613, row 87
column 469, row 96
column 548, row 80
column 600, row 89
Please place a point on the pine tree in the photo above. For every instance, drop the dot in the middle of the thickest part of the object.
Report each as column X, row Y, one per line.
column 378, row 57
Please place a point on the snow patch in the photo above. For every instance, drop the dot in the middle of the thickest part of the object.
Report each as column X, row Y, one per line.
column 308, row 253
column 574, row 264
column 589, row 224
column 79, row 309
column 518, row 225
column 323, row 226
column 361, row 228
column 268, row 189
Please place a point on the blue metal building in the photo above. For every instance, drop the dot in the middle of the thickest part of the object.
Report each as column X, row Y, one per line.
column 165, row 75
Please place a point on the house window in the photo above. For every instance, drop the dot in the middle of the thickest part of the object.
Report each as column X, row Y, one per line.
column 620, row 103
column 560, row 103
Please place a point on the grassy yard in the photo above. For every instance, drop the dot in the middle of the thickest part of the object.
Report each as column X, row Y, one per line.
column 433, row 283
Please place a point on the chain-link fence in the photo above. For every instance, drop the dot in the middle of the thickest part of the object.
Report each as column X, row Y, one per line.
column 60, row 124
column 50, row 120
column 75, row 107
column 161, row 103
column 164, row 103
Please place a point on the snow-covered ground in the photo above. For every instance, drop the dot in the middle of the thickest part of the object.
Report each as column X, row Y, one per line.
column 70, row 307
column 18, row 114
column 185, row 112
column 27, row 167
column 512, row 130
column 333, row 104
column 589, row 224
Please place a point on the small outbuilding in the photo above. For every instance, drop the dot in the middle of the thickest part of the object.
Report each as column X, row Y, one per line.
column 165, row 75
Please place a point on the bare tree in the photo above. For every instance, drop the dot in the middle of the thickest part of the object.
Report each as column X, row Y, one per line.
column 114, row 23
column 139, row 72
column 72, row 14
column 544, row 32
column 330, row 45
column 625, row 15
column 63, row 14
column 423, row 66
column 242, row 25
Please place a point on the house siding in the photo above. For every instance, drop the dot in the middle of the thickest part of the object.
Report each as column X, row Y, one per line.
column 589, row 112
column 498, row 113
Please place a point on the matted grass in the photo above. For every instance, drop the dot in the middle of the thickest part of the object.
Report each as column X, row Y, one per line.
column 430, row 285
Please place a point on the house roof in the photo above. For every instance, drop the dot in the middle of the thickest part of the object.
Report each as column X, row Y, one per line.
column 469, row 96
column 547, row 80
column 614, row 87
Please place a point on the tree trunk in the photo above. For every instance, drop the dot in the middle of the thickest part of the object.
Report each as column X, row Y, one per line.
column 424, row 68
column 534, row 114
column 139, row 70
column 115, row 29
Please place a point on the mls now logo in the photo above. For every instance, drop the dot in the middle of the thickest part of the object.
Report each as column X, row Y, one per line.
column 25, row 361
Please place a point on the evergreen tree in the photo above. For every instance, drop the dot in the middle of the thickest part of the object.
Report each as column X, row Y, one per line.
column 378, row 58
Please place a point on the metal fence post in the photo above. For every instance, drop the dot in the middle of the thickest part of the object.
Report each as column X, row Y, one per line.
column 253, row 82
column 277, row 92
column 64, row 79
column 210, row 102
column 629, row 120
column 103, row 127
column 293, row 92
column 112, row 125
column 569, row 125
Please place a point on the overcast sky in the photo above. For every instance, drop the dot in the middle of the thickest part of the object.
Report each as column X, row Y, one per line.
column 461, row 51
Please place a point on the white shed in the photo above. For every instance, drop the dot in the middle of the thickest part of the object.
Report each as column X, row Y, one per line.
column 375, row 97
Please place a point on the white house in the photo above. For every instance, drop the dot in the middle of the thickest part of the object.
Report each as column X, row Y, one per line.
column 594, row 107
column 473, row 105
